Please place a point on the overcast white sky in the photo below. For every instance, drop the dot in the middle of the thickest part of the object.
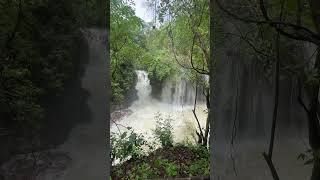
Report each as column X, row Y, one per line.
column 143, row 11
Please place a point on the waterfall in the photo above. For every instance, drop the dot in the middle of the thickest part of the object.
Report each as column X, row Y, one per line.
column 143, row 88
column 176, row 92
column 180, row 91
column 178, row 96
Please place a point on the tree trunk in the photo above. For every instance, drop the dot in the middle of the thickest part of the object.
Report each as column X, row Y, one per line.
column 313, row 121
column 314, row 137
column 206, row 133
column 315, row 171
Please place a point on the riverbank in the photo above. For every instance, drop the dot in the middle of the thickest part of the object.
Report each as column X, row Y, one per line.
column 180, row 161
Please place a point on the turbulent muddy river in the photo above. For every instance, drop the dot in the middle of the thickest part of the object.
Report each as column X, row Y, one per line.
column 177, row 102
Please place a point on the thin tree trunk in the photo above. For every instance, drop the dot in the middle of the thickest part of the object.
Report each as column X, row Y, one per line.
column 313, row 121
column 206, row 133
column 276, row 98
column 314, row 132
column 268, row 157
column 200, row 134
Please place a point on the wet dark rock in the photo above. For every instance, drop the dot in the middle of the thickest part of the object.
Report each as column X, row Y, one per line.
column 156, row 88
column 119, row 114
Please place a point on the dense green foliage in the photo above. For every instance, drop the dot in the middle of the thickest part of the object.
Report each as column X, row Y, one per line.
column 159, row 166
column 136, row 45
column 124, row 47
column 127, row 144
column 38, row 39
column 160, row 51
column 188, row 32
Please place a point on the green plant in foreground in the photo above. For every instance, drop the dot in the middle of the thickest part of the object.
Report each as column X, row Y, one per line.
column 142, row 171
column 127, row 144
column 159, row 162
column 171, row 169
column 200, row 151
column 163, row 131
column 201, row 166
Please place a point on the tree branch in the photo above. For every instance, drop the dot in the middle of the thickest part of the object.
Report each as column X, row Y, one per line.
column 271, row 166
column 300, row 32
column 195, row 115
column 268, row 157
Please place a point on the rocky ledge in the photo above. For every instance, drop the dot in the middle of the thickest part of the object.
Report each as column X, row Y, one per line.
column 119, row 114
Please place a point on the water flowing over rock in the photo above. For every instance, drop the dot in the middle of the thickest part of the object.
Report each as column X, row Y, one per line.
column 179, row 91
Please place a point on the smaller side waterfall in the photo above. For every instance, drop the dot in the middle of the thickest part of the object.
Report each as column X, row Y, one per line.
column 180, row 91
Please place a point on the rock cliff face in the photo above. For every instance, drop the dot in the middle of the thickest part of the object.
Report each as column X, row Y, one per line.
column 243, row 100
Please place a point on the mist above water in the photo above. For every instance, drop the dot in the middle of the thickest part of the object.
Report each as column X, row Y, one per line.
column 177, row 102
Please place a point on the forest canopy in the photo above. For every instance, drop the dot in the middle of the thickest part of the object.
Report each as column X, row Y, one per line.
column 162, row 50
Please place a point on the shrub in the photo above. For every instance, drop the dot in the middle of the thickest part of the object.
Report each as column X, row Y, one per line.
column 170, row 168
column 142, row 171
column 127, row 144
column 163, row 131
column 200, row 167
column 202, row 152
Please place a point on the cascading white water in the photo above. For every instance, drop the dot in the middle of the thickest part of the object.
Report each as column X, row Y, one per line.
column 179, row 91
column 143, row 88
column 178, row 105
